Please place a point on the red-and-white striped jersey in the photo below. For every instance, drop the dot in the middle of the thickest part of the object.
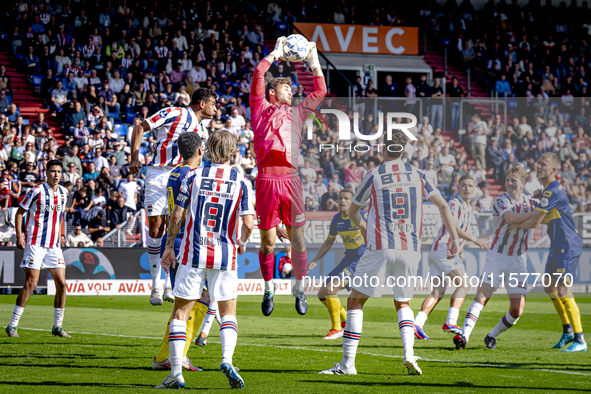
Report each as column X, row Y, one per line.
column 170, row 123
column 395, row 216
column 514, row 242
column 215, row 196
column 45, row 210
column 462, row 214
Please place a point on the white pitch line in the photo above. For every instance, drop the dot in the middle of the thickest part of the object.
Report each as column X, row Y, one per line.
column 334, row 351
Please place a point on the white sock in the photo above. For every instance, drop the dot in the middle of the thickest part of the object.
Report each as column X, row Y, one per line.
column 504, row 324
column 16, row 315
column 154, row 258
column 228, row 337
column 452, row 316
column 58, row 316
column 299, row 285
column 208, row 321
column 472, row 318
column 269, row 286
column 351, row 336
column 177, row 337
column 407, row 331
column 421, row 319
column 167, row 280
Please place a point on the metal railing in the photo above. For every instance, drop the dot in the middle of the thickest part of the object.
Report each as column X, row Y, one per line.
column 487, row 101
column 129, row 234
column 418, row 101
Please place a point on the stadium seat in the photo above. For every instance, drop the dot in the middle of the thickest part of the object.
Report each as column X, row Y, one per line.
column 142, row 150
column 278, row 257
column 131, row 117
column 37, row 80
column 121, row 129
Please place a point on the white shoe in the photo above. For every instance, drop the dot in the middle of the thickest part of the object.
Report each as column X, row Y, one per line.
column 338, row 370
column 155, row 298
column 160, row 365
column 188, row 365
column 168, row 295
column 412, row 365
column 172, row 382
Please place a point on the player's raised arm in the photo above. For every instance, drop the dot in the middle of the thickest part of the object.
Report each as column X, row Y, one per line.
column 314, row 99
column 449, row 222
column 137, row 136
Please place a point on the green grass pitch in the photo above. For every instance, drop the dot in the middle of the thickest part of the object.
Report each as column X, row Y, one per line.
column 114, row 339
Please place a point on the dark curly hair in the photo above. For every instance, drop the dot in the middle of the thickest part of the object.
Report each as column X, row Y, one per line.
column 398, row 140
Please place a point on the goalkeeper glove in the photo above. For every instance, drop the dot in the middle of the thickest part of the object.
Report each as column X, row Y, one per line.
column 312, row 56
column 278, row 50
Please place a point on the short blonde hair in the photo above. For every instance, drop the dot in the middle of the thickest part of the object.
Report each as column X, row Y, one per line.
column 220, row 146
column 519, row 172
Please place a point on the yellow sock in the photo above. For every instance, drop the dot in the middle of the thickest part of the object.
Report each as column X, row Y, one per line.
column 194, row 323
column 572, row 311
column 343, row 315
column 164, row 352
column 333, row 303
column 559, row 306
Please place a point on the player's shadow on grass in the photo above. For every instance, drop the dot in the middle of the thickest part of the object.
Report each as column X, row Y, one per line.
column 420, row 385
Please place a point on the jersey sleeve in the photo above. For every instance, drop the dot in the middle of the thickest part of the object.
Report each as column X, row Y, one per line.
column 363, row 215
column 164, row 117
column 333, row 226
column 183, row 199
column 258, row 102
column 246, row 205
column 428, row 189
column 30, row 199
column 454, row 208
column 501, row 205
column 364, row 190
column 550, row 199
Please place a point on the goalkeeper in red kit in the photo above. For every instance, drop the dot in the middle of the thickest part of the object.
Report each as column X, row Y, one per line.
column 277, row 128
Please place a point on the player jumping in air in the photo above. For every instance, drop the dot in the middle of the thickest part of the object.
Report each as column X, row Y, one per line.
column 192, row 153
column 214, row 198
column 505, row 261
column 441, row 266
column 565, row 250
column 170, row 123
column 44, row 207
column 354, row 248
column 393, row 233
column 277, row 139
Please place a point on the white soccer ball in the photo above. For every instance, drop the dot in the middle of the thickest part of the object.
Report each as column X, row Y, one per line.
column 296, row 48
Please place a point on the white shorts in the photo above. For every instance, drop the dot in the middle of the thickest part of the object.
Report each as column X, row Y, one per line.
column 376, row 266
column 38, row 258
column 189, row 282
column 498, row 264
column 155, row 198
column 439, row 264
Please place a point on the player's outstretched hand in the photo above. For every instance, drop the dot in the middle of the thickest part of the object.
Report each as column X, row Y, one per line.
column 452, row 249
column 537, row 194
column 135, row 166
column 241, row 249
column 278, row 50
column 312, row 265
column 482, row 243
column 312, row 56
column 167, row 259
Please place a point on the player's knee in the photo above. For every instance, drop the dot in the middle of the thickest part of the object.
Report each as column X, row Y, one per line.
column 267, row 247
column 31, row 283
column 515, row 312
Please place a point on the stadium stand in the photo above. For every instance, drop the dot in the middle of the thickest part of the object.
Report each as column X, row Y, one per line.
column 79, row 75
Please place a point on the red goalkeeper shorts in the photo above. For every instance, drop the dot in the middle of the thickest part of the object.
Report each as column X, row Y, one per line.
column 279, row 198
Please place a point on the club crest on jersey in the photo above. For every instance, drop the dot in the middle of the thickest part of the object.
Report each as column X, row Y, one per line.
column 162, row 113
column 544, row 202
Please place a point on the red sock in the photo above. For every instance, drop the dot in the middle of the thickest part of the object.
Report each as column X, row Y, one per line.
column 299, row 261
column 267, row 264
